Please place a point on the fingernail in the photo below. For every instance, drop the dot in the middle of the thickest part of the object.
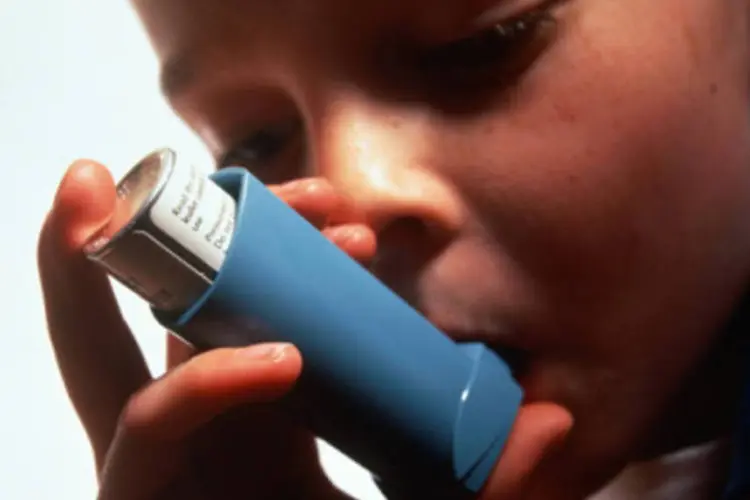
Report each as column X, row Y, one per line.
column 347, row 235
column 343, row 236
column 293, row 186
column 305, row 186
column 272, row 353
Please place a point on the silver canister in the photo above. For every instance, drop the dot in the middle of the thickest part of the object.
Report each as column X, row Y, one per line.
column 170, row 233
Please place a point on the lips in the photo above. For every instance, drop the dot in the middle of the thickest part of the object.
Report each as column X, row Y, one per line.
column 466, row 328
column 516, row 358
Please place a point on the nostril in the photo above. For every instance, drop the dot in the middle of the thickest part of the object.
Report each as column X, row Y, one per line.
column 404, row 247
column 413, row 238
column 405, row 229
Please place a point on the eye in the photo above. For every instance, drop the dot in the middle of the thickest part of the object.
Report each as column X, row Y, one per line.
column 505, row 49
column 272, row 153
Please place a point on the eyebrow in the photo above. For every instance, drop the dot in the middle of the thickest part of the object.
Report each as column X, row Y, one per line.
column 179, row 71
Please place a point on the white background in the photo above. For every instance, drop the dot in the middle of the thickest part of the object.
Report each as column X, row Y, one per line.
column 77, row 79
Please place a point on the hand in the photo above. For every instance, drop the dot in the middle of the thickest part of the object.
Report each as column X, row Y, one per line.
column 207, row 429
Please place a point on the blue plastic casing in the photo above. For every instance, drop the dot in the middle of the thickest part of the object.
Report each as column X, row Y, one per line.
column 379, row 382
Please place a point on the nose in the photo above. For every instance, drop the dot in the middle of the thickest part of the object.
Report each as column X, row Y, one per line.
column 379, row 156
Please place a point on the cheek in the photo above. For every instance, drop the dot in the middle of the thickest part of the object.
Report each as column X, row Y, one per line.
column 618, row 184
column 618, row 179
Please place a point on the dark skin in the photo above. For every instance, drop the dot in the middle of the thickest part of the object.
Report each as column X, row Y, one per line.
column 578, row 195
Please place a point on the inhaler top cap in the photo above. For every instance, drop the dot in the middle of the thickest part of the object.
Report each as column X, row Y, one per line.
column 135, row 192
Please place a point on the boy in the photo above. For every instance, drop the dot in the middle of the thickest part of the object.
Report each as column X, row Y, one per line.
column 568, row 181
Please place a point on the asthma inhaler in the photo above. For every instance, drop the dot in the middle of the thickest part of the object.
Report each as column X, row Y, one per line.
column 379, row 382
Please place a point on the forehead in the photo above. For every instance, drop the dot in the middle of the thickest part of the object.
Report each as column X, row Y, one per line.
column 184, row 12
column 183, row 32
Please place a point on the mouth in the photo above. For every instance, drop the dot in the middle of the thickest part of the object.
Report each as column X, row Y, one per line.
column 517, row 359
column 463, row 327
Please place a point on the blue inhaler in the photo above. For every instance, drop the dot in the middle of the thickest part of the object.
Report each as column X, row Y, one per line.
column 380, row 383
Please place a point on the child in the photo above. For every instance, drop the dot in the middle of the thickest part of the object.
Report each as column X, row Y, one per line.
column 567, row 181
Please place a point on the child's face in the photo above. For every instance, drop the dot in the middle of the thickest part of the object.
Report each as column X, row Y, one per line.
column 578, row 190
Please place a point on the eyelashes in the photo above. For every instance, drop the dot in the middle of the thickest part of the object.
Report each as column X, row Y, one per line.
column 486, row 61
column 263, row 148
column 505, row 48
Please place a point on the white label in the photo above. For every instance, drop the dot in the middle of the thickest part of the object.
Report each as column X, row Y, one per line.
column 196, row 213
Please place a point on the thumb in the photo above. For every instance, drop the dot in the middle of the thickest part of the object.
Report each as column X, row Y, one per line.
column 540, row 429
column 98, row 358
column 84, row 204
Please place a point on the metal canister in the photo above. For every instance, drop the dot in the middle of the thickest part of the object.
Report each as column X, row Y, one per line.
column 170, row 233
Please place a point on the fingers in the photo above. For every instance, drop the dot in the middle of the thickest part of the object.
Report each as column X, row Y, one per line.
column 157, row 422
column 99, row 360
column 539, row 430
column 357, row 240
column 316, row 200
